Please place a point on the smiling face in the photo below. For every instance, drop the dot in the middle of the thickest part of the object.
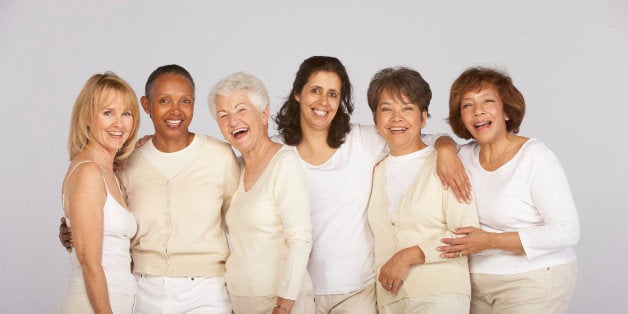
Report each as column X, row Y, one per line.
column 482, row 113
column 112, row 122
column 319, row 100
column 399, row 122
column 171, row 107
column 240, row 122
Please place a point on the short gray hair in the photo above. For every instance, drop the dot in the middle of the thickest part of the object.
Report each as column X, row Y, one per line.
column 240, row 82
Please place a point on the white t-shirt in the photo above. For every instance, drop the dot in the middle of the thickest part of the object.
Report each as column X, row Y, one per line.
column 529, row 194
column 401, row 171
column 342, row 253
column 169, row 164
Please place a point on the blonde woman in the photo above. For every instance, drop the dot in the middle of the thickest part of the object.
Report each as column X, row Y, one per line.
column 104, row 124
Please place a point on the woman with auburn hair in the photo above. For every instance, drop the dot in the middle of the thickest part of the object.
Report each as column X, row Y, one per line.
column 521, row 258
column 339, row 157
column 104, row 123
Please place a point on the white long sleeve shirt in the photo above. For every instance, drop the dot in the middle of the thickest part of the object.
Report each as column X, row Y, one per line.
column 530, row 195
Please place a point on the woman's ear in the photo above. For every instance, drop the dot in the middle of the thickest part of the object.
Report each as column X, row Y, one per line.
column 145, row 104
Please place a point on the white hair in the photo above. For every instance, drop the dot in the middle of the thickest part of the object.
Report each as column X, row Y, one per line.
column 240, row 82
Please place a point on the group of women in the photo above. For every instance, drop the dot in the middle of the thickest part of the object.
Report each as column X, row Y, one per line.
column 327, row 216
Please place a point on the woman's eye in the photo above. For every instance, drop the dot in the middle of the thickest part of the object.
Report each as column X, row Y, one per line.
column 384, row 109
column 164, row 101
column 314, row 90
column 489, row 100
column 127, row 114
column 107, row 113
column 408, row 108
column 186, row 101
column 333, row 94
column 465, row 106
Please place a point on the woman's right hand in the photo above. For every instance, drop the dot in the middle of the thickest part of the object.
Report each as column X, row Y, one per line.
column 65, row 235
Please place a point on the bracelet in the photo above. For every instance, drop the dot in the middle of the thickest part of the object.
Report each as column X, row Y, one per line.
column 281, row 307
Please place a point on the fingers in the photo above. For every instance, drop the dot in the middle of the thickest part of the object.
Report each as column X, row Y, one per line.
column 391, row 285
column 462, row 187
column 455, row 254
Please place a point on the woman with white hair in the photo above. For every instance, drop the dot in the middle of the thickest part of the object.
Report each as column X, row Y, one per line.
column 268, row 219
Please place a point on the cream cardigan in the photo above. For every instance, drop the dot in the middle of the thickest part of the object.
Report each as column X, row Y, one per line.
column 179, row 229
column 425, row 215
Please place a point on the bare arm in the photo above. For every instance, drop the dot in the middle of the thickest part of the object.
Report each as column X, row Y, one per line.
column 450, row 169
column 86, row 195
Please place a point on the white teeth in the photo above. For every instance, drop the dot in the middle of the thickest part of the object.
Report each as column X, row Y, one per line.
column 481, row 123
column 115, row 133
column 319, row 113
column 235, row 132
column 397, row 129
column 174, row 122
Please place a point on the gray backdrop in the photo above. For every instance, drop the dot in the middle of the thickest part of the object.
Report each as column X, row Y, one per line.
column 567, row 57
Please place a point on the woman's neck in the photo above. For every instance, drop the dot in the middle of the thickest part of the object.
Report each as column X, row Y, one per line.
column 257, row 154
column 99, row 155
column 495, row 154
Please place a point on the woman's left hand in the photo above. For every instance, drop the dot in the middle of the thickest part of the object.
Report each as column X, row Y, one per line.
column 474, row 240
column 392, row 274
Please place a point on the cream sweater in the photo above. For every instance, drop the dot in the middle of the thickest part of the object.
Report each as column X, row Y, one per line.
column 269, row 227
column 425, row 215
column 179, row 229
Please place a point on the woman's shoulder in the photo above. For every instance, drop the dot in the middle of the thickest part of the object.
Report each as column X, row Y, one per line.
column 84, row 174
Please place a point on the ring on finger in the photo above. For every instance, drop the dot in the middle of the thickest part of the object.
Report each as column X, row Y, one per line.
column 459, row 253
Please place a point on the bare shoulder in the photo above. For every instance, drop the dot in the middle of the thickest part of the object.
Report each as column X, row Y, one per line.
column 85, row 182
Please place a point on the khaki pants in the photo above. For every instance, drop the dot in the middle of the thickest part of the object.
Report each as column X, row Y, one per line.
column 304, row 304
column 77, row 302
column 360, row 301
column 546, row 290
column 441, row 303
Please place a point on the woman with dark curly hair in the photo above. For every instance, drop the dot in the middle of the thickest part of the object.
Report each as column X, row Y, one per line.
column 339, row 156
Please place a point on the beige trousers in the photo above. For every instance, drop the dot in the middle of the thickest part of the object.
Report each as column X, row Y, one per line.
column 546, row 290
column 304, row 304
column 77, row 302
column 450, row 303
column 360, row 301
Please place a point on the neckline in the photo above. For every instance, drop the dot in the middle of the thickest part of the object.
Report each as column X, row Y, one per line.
column 516, row 156
column 270, row 162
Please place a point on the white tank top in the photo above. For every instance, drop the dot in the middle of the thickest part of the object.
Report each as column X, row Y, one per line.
column 119, row 227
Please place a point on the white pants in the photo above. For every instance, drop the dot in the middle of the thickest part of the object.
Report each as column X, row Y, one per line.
column 163, row 294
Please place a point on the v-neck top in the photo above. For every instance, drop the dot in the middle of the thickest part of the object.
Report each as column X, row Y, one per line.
column 270, row 231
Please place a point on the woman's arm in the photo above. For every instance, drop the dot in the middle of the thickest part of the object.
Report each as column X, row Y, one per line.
column 292, row 197
column 394, row 271
column 552, row 198
column 86, row 195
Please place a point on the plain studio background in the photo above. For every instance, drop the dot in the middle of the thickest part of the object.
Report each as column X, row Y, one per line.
column 567, row 57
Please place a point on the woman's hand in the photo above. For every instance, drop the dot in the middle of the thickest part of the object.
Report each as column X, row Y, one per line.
column 474, row 240
column 143, row 140
column 451, row 172
column 283, row 306
column 65, row 235
column 392, row 274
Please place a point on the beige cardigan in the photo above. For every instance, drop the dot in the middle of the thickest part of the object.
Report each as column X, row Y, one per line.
column 179, row 229
column 425, row 215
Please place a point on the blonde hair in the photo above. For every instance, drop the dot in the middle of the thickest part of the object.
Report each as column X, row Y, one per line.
column 90, row 100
